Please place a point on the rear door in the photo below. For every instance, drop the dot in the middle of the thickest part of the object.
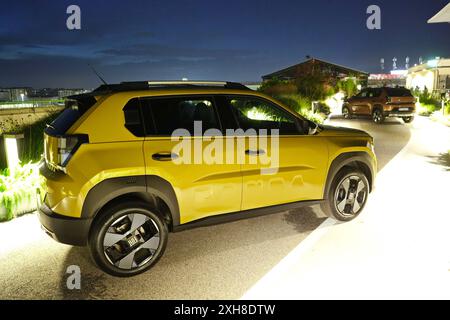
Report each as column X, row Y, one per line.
column 183, row 146
column 361, row 104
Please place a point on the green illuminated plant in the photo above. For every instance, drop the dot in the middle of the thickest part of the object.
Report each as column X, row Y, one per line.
column 18, row 191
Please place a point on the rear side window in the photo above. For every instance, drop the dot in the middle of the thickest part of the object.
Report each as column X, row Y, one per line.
column 165, row 115
column 74, row 109
column 133, row 119
column 398, row 92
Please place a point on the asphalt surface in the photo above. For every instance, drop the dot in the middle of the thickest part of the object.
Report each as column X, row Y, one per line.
column 219, row 262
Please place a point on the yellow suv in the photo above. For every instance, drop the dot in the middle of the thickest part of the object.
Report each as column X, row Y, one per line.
column 128, row 163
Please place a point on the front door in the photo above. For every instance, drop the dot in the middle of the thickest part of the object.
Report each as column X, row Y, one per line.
column 281, row 164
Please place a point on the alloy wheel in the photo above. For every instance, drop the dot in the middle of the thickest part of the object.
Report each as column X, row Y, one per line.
column 346, row 113
column 131, row 241
column 350, row 196
column 377, row 116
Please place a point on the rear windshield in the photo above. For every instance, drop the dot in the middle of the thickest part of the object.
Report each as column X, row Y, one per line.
column 398, row 92
column 74, row 109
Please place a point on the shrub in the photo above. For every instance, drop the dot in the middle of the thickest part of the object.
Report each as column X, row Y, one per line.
column 315, row 117
column 275, row 87
column 18, row 191
column 302, row 106
column 314, row 87
column 427, row 98
column 348, row 86
column 323, row 108
column 294, row 102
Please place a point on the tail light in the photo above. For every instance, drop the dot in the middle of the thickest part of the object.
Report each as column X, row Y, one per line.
column 59, row 150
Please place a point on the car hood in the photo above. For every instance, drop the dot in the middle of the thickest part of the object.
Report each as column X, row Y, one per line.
column 331, row 131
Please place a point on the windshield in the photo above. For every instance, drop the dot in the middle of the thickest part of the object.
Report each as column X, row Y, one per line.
column 398, row 92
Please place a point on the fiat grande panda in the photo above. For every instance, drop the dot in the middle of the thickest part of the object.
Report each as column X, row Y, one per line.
column 128, row 163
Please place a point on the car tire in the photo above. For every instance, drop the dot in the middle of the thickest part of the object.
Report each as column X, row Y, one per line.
column 408, row 119
column 347, row 195
column 128, row 239
column 346, row 113
column 377, row 116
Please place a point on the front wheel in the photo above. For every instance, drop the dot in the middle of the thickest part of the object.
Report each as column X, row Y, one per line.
column 347, row 195
column 408, row 119
column 377, row 116
column 128, row 239
column 346, row 113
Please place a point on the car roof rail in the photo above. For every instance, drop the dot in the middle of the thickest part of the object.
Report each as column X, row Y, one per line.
column 185, row 83
column 148, row 85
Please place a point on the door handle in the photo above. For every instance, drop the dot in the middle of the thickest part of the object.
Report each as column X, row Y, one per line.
column 164, row 156
column 255, row 152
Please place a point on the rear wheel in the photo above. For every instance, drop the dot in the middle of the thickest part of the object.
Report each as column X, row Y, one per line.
column 408, row 119
column 347, row 196
column 128, row 239
column 377, row 116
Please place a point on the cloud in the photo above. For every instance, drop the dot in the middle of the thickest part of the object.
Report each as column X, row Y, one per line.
column 159, row 52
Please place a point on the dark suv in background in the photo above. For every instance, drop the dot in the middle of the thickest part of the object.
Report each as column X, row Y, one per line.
column 380, row 103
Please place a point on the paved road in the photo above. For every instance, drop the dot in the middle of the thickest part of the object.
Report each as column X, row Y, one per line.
column 219, row 262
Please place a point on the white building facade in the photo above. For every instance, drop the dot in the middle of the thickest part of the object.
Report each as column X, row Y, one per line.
column 433, row 75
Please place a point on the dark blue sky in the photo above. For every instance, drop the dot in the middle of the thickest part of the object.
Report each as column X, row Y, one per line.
column 228, row 40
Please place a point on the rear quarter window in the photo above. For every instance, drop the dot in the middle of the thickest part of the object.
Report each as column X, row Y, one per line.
column 133, row 118
column 74, row 109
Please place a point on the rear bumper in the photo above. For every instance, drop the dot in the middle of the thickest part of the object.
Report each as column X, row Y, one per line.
column 73, row 231
column 399, row 114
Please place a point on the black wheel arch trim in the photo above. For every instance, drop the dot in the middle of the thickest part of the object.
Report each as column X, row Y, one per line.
column 113, row 188
column 345, row 159
column 377, row 107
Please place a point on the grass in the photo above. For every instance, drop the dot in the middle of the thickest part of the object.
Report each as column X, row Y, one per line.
column 18, row 191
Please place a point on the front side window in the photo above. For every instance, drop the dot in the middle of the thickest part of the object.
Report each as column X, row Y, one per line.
column 254, row 113
column 165, row 115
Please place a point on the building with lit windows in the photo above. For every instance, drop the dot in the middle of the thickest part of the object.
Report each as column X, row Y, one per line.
column 434, row 75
